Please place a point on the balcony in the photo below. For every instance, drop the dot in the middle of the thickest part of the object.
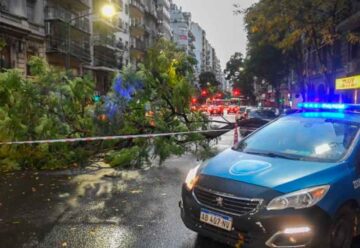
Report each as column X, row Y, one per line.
column 79, row 5
column 163, row 13
column 137, row 29
column 138, row 45
column 137, row 9
column 60, row 14
column 100, row 23
column 109, row 42
column 152, row 11
column 81, row 52
column 108, row 60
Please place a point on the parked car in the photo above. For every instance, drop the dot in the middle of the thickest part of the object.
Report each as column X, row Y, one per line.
column 293, row 183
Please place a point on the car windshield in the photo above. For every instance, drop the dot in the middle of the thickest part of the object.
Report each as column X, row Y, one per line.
column 302, row 139
column 262, row 114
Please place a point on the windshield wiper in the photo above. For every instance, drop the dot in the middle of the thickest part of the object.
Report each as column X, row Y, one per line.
column 273, row 155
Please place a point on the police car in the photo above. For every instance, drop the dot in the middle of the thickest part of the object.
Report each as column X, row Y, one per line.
column 293, row 183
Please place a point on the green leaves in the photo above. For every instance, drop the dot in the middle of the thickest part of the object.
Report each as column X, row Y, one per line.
column 44, row 106
column 51, row 105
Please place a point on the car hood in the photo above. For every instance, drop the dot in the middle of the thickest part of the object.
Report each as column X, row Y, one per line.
column 279, row 174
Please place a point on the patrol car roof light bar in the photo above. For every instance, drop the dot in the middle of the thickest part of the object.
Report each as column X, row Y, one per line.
column 330, row 107
column 326, row 106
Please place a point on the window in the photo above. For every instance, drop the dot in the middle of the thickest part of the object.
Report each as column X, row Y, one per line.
column 4, row 5
column 5, row 58
column 127, row 9
column 30, row 8
column 322, row 140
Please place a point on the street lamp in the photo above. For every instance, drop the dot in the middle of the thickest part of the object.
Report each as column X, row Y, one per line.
column 107, row 11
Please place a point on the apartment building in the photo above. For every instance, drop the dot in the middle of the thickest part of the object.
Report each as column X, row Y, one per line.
column 151, row 23
column 22, row 31
column 199, row 35
column 163, row 12
column 180, row 24
column 107, row 45
column 137, row 31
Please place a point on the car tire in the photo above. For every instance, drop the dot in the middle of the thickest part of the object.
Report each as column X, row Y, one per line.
column 342, row 230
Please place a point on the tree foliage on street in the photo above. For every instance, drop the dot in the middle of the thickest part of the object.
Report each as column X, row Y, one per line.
column 295, row 30
column 47, row 105
column 51, row 105
column 162, row 105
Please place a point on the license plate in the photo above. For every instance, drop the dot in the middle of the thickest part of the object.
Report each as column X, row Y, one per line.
column 215, row 219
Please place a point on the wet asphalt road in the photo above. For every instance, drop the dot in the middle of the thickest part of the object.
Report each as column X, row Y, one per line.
column 99, row 208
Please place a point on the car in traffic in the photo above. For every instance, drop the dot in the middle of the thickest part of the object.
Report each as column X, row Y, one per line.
column 255, row 118
column 216, row 110
column 293, row 183
column 233, row 109
column 243, row 112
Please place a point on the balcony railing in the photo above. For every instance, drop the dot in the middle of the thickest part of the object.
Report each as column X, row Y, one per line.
column 109, row 60
column 151, row 10
column 100, row 40
column 138, row 4
column 138, row 45
column 59, row 45
column 59, row 13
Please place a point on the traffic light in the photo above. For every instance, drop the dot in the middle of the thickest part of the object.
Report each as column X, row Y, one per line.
column 236, row 92
column 204, row 92
column 97, row 97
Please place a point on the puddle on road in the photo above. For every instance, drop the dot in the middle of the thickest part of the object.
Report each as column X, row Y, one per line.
column 101, row 183
column 89, row 236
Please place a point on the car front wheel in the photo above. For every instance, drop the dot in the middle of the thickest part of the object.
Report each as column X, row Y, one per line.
column 343, row 229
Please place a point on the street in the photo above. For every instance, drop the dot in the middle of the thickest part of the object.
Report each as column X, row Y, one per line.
column 101, row 207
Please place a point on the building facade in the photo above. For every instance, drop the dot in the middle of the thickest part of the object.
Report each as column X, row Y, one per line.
column 198, row 33
column 107, row 45
column 68, row 34
column 151, row 23
column 344, row 61
column 137, row 31
column 22, row 32
column 72, row 34
column 180, row 26
column 163, row 12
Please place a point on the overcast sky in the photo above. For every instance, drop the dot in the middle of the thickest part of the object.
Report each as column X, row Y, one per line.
column 225, row 31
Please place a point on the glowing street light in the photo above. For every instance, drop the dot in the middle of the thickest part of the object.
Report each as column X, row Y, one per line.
column 108, row 11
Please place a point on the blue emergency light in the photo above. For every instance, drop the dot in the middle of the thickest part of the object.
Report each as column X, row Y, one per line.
column 326, row 106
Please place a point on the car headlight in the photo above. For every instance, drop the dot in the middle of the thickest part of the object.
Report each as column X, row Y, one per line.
column 192, row 178
column 300, row 199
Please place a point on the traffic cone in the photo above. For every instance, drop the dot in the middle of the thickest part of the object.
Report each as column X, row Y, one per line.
column 236, row 134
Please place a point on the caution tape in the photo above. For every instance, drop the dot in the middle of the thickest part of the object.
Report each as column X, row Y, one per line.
column 120, row 137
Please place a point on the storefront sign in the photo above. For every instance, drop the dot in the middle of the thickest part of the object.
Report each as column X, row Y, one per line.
column 348, row 83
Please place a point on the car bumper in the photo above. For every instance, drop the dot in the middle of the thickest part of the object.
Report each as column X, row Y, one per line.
column 261, row 229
